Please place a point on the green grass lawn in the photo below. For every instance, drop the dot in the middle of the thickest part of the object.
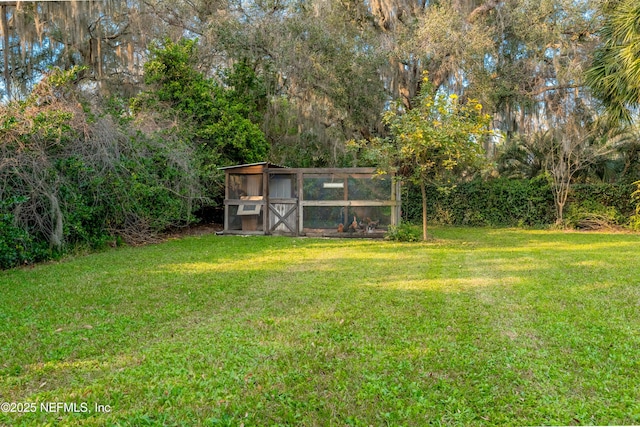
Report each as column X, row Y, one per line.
column 478, row 327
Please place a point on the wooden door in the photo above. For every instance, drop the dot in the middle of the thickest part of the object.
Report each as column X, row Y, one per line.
column 283, row 204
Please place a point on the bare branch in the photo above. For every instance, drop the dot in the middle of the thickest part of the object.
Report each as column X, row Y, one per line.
column 482, row 9
column 545, row 89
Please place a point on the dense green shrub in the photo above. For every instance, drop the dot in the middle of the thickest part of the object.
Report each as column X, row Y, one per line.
column 89, row 174
column 215, row 119
column 591, row 214
column 17, row 247
column 143, row 191
column 634, row 222
column 498, row 202
column 13, row 239
column 617, row 196
column 88, row 177
column 404, row 232
column 599, row 205
column 84, row 218
column 519, row 202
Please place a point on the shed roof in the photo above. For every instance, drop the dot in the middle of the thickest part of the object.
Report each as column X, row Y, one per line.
column 266, row 164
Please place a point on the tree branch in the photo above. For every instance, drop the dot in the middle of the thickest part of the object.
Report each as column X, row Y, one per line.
column 557, row 87
column 482, row 9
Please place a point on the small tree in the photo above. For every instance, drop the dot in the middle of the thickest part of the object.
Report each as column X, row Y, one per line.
column 572, row 147
column 565, row 157
column 440, row 139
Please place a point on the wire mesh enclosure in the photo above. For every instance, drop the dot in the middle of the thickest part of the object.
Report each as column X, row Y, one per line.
column 263, row 198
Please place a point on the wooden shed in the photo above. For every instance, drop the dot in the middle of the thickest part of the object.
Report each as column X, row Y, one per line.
column 263, row 198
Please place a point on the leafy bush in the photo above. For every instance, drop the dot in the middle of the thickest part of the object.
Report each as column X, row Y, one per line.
column 84, row 218
column 611, row 195
column 499, row 202
column 520, row 202
column 405, row 232
column 592, row 215
column 634, row 222
column 86, row 177
column 600, row 205
column 214, row 118
column 14, row 241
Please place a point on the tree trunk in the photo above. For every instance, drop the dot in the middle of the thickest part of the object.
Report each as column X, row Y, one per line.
column 560, row 196
column 423, row 190
column 5, row 45
column 560, row 212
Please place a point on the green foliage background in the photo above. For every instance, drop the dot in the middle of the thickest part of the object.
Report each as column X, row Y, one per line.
column 76, row 173
column 86, row 173
column 217, row 120
column 15, row 243
column 516, row 203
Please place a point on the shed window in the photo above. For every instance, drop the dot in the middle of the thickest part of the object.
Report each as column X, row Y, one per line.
column 244, row 185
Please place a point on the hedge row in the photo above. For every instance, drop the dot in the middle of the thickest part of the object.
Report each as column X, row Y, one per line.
column 515, row 203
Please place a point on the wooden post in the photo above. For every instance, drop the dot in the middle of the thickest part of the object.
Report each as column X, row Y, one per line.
column 226, row 197
column 345, row 210
column 299, row 177
column 394, row 210
column 398, row 199
column 265, row 199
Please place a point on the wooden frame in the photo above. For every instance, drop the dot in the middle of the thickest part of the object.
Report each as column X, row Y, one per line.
column 285, row 215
